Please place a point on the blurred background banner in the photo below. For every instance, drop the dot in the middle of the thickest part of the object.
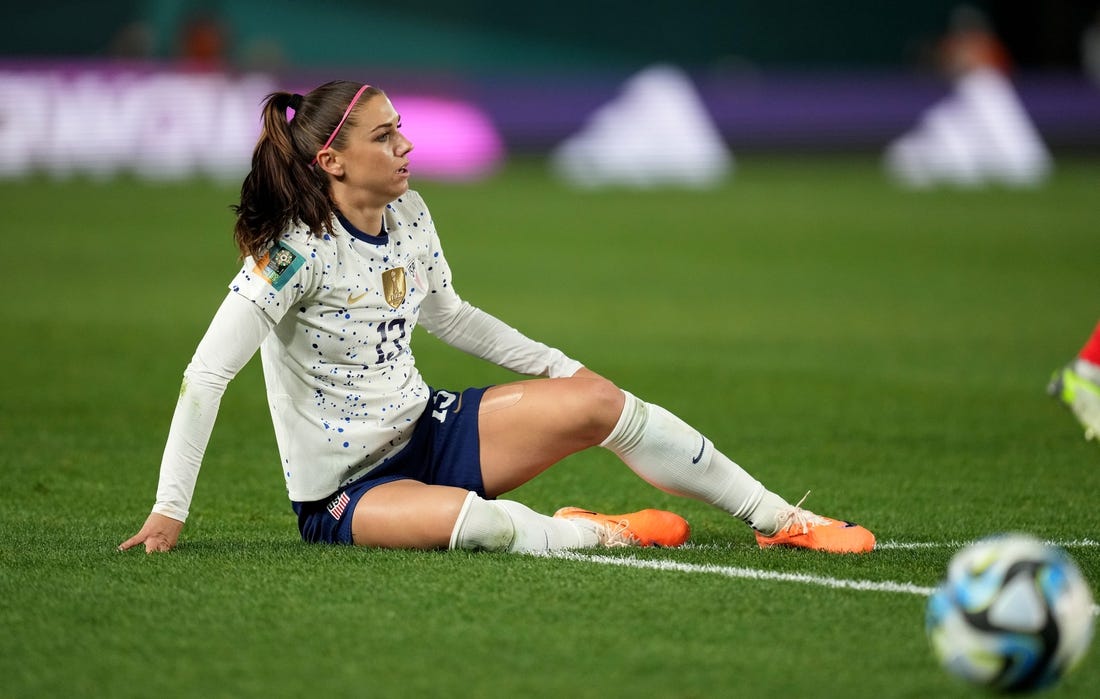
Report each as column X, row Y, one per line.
column 169, row 88
column 79, row 118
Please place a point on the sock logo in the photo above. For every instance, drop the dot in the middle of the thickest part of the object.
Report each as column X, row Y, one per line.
column 703, row 448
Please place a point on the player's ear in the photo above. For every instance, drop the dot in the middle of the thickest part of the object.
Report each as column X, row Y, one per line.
column 330, row 162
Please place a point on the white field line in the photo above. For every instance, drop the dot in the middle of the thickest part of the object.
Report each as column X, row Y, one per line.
column 746, row 573
column 755, row 574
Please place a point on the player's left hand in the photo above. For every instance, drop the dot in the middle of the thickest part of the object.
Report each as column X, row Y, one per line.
column 159, row 533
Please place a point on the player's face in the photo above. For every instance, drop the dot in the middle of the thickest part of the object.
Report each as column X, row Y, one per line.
column 375, row 159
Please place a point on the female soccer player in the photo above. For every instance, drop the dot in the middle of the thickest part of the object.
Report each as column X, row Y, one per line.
column 341, row 261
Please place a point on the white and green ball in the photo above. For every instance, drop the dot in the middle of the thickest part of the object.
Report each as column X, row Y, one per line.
column 1014, row 614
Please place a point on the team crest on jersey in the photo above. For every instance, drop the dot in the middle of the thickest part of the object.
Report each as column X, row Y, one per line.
column 279, row 265
column 393, row 286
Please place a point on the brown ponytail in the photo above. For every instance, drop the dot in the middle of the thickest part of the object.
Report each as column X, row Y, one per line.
column 282, row 187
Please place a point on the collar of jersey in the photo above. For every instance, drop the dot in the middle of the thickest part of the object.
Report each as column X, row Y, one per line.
column 381, row 239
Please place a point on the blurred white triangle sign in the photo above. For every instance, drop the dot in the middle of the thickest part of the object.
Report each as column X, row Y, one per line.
column 656, row 132
column 981, row 133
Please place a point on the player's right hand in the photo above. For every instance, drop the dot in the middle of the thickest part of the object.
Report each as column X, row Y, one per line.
column 159, row 533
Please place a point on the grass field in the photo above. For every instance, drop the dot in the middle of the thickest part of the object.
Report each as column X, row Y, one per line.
column 887, row 349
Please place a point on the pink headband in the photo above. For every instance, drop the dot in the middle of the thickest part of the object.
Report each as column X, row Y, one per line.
column 344, row 118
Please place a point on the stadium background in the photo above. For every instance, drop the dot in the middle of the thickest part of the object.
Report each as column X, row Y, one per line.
column 798, row 76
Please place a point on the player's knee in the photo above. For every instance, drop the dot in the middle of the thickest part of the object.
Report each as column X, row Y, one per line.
column 601, row 404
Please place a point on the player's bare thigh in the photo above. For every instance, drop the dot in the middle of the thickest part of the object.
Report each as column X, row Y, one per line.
column 527, row 426
column 524, row 427
column 407, row 514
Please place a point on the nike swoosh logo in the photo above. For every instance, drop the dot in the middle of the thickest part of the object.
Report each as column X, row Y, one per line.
column 703, row 448
column 352, row 300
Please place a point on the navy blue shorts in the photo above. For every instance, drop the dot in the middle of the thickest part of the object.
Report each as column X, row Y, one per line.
column 444, row 450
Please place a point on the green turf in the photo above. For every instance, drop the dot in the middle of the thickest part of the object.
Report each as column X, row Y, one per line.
column 886, row 349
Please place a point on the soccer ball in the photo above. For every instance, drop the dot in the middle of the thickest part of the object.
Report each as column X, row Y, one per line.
column 1014, row 614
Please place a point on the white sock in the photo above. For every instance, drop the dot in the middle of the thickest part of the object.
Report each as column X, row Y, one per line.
column 668, row 453
column 1087, row 370
column 506, row 525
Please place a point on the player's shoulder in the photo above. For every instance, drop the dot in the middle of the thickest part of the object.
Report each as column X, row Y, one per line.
column 410, row 206
column 303, row 242
column 299, row 248
column 286, row 258
column 407, row 217
column 411, row 198
column 299, row 236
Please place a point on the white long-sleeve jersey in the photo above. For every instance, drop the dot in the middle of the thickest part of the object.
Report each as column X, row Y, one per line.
column 333, row 318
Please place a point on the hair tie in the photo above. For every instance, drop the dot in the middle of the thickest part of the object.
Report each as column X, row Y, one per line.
column 295, row 101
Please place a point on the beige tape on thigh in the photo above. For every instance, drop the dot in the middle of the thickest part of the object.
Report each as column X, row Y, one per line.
column 505, row 397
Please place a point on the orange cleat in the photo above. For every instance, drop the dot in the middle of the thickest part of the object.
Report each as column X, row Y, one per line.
column 803, row 529
column 642, row 528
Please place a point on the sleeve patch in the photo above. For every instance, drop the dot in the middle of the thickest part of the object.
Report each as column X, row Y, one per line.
column 279, row 265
